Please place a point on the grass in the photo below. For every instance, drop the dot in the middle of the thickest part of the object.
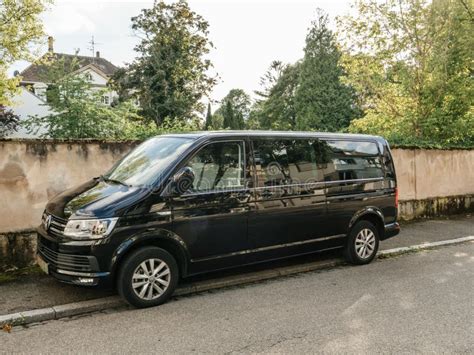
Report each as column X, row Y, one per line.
column 10, row 276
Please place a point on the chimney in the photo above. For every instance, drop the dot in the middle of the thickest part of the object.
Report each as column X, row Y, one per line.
column 97, row 54
column 50, row 44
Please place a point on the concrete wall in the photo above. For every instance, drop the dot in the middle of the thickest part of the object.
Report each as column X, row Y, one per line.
column 426, row 174
column 31, row 172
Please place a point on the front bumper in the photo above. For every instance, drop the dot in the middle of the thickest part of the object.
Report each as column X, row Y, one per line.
column 76, row 278
column 391, row 230
column 74, row 267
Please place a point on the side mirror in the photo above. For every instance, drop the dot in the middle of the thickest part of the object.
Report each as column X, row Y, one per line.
column 183, row 180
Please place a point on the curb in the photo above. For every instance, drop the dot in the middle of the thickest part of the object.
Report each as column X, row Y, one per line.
column 61, row 311
column 424, row 246
column 83, row 307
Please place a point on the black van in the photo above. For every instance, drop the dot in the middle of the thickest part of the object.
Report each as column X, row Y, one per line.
column 184, row 204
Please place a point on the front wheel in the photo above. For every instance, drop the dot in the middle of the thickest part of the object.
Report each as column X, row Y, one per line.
column 362, row 243
column 148, row 277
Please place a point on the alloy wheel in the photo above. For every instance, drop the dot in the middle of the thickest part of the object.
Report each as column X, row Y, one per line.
column 365, row 243
column 151, row 279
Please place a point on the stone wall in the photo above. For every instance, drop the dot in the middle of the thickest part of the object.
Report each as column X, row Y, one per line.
column 17, row 250
column 33, row 171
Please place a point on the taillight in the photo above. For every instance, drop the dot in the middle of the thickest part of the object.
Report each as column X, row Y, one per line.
column 396, row 197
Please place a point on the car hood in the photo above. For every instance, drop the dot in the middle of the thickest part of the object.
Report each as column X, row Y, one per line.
column 95, row 198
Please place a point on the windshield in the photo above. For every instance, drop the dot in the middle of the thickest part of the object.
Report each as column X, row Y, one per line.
column 144, row 164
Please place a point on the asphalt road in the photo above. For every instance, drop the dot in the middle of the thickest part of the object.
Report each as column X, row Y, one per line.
column 422, row 302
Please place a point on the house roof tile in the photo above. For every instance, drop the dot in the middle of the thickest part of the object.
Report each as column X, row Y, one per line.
column 37, row 72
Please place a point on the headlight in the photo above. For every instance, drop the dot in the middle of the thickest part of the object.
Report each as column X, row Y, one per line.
column 89, row 228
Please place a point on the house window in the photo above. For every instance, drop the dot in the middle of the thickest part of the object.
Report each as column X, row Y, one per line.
column 41, row 93
column 105, row 100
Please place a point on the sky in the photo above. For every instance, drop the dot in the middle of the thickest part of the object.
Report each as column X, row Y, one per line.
column 247, row 35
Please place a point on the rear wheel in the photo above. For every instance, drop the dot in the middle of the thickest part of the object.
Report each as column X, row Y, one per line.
column 148, row 277
column 362, row 243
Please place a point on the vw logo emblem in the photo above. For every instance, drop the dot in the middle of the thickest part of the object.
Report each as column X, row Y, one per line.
column 47, row 222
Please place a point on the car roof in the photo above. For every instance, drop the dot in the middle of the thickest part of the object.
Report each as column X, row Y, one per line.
column 276, row 134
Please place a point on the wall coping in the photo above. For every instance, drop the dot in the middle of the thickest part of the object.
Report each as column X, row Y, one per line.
column 404, row 147
column 135, row 141
column 67, row 141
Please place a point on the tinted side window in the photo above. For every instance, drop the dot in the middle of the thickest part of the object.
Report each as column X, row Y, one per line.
column 218, row 166
column 285, row 161
column 348, row 160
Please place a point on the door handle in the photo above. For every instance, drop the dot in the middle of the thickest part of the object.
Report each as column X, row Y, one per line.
column 163, row 213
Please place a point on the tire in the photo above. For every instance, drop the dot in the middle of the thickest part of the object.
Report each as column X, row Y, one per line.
column 139, row 286
column 362, row 243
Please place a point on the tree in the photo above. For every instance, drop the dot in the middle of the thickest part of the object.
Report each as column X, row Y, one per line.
column 229, row 119
column 270, row 78
column 9, row 121
column 208, row 123
column 77, row 111
column 322, row 101
column 169, row 76
column 275, row 109
column 411, row 63
column 234, row 109
column 20, row 32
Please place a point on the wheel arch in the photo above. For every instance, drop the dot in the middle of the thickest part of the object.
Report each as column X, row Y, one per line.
column 163, row 239
column 370, row 214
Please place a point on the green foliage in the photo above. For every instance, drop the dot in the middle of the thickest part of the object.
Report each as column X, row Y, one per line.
column 270, row 78
column 310, row 94
column 234, row 110
column 138, row 130
column 322, row 101
column 169, row 76
column 275, row 108
column 402, row 69
column 208, row 122
column 411, row 63
column 228, row 116
column 77, row 111
column 9, row 122
column 20, row 31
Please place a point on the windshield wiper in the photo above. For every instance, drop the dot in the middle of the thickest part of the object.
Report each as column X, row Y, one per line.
column 106, row 179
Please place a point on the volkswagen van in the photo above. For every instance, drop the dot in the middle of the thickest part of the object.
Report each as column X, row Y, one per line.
column 184, row 204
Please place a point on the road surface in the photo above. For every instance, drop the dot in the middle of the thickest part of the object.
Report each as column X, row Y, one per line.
column 421, row 302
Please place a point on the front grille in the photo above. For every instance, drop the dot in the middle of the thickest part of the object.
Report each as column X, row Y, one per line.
column 69, row 262
column 57, row 226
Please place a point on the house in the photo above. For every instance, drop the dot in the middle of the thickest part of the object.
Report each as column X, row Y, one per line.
column 32, row 99
column 27, row 104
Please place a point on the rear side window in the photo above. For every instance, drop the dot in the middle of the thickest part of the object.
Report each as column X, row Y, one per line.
column 349, row 160
column 285, row 161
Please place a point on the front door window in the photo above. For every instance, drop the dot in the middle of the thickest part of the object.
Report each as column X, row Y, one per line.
column 218, row 166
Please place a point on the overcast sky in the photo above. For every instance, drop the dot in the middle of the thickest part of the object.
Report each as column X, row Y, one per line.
column 248, row 35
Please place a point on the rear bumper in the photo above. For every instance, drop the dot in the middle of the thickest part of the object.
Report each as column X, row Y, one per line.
column 391, row 230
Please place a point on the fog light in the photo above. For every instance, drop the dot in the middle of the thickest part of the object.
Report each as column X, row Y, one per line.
column 85, row 280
